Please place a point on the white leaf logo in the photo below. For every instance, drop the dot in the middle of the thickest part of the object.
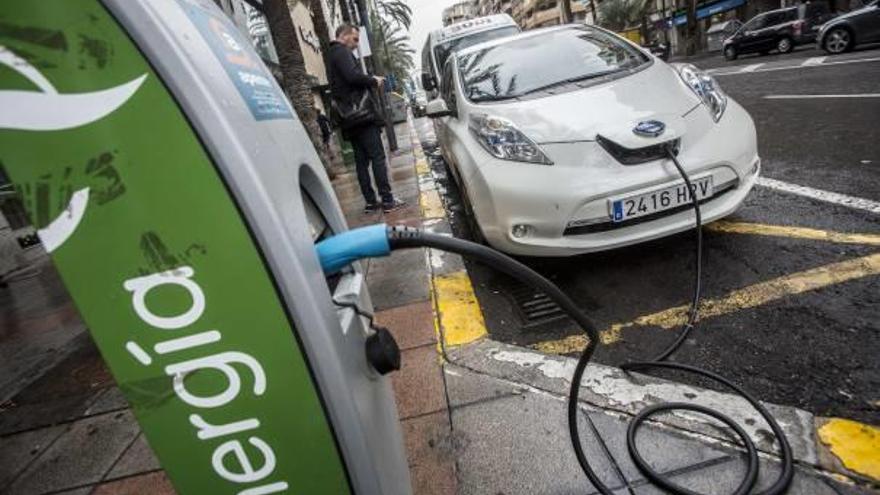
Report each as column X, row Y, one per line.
column 48, row 110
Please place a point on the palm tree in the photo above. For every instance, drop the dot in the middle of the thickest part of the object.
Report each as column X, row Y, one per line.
column 396, row 11
column 618, row 15
column 392, row 49
column 293, row 70
column 565, row 11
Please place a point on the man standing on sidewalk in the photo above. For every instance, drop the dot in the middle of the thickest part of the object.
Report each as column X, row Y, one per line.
column 351, row 92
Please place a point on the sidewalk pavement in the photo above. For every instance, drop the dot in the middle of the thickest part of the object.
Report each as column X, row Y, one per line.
column 479, row 417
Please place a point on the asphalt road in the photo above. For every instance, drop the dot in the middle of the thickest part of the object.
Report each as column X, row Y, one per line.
column 784, row 324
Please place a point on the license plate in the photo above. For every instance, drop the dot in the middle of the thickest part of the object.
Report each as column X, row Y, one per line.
column 623, row 209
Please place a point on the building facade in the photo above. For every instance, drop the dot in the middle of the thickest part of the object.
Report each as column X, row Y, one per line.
column 460, row 11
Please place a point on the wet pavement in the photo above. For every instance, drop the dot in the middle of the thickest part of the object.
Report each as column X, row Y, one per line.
column 782, row 323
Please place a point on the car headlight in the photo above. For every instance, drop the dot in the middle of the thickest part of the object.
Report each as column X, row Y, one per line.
column 503, row 140
column 705, row 87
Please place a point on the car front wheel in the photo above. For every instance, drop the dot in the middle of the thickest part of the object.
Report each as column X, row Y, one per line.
column 784, row 45
column 838, row 40
column 730, row 53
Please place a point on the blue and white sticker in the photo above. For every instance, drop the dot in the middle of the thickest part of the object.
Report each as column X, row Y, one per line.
column 255, row 84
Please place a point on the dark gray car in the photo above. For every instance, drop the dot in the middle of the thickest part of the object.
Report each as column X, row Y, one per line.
column 843, row 33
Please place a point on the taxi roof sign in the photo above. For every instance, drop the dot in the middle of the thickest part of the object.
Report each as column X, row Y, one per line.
column 473, row 25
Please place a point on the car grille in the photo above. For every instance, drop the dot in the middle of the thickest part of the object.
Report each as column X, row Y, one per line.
column 636, row 156
column 609, row 225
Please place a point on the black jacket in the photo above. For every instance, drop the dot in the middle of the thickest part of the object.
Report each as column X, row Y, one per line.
column 344, row 73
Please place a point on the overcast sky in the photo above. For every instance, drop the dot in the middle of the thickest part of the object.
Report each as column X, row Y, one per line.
column 426, row 18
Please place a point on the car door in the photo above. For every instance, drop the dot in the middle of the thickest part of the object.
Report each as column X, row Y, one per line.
column 750, row 35
column 867, row 24
column 768, row 35
column 441, row 124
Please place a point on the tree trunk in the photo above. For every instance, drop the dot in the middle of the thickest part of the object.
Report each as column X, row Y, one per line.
column 663, row 19
column 565, row 11
column 691, row 28
column 293, row 71
column 321, row 27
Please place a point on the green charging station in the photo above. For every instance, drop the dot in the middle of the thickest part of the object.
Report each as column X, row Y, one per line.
column 180, row 199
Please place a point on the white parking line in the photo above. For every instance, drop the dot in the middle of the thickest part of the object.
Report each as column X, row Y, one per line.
column 806, row 97
column 820, row 195
column 814, row 61
column 790, row 67
column 751, row 68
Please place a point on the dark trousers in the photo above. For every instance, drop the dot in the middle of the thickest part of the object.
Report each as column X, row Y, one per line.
column 368, row 150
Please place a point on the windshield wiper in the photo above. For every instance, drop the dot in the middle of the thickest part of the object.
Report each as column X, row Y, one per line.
column 570, row 80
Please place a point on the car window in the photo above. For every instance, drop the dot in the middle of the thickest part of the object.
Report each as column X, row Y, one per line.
column 535, row 63
column 756, row 23
column 443, row 50
column 448, row 89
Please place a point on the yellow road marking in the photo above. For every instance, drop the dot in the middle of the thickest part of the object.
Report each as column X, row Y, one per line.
column 458, row 310
column 857, row 445
column 432, row 207
column 748, row 297
column 793, row 232
column 422, row 167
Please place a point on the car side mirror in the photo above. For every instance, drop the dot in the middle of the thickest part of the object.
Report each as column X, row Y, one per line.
column 437, row 108
column 428, row 81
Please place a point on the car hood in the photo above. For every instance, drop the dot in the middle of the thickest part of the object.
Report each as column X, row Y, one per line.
column 611, row 109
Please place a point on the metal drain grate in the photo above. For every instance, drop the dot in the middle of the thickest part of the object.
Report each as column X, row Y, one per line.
column 534, row 307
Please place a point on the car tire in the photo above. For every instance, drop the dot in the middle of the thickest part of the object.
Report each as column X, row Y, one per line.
column 730, row 53
column 784, row 45
column 471, row 219
column 838, row 40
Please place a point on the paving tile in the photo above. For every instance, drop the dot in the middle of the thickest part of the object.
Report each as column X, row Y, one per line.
column 139, row 458
column 18, row 450
column 62, row 394
column 412, row 325
column 111, row 400
column 519, row 446
column 399, row 279
column 664, row 449
column 465, row 388
column 62, row 465
column 77, row 491
column 153, row 484
column 725, row 477
column 435, row 480
column 428, row 439
column 418, row 386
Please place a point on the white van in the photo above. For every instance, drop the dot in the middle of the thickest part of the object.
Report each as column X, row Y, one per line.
column 441, row 43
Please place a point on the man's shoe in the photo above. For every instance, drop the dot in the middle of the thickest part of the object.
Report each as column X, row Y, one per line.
column 371, row 208
column 394, row 205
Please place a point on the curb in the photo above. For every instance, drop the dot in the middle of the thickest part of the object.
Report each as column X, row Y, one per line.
column 847, row 450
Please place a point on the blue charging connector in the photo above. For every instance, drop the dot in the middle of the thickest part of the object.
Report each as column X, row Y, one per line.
column 341, row 250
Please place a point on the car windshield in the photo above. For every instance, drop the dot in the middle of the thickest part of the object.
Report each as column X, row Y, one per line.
column 443, row 50
column 537, row 63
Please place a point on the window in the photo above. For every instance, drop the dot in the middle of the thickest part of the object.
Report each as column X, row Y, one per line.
column 532, row 65
column 444, row 50
column 449, row 89
column 756, row 23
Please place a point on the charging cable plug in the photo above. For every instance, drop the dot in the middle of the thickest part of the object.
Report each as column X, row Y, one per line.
column 341, row 250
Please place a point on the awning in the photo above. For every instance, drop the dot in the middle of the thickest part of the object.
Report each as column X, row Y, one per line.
column 709, row 10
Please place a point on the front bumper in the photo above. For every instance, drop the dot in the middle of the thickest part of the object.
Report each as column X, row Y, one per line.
column 566, row 207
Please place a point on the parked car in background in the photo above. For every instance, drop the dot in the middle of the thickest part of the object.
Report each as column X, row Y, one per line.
column 418, row 103
column 718, row 32
column 555, row 158
column 779, row 30
column 843, row 33
column 442, row 43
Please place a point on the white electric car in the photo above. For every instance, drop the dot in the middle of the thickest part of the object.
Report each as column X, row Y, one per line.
column 559, row 140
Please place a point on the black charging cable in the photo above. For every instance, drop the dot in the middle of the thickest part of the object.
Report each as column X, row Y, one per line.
column 405, row 237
